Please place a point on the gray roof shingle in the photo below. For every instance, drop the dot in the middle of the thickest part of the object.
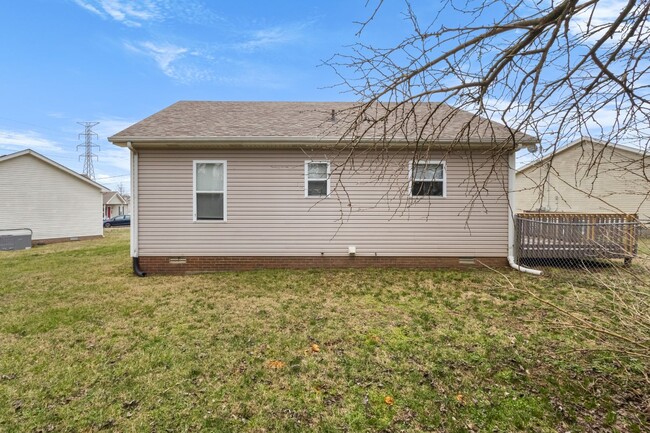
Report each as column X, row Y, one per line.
column 187, row 120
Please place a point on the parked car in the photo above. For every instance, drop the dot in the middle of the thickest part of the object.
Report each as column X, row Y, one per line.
column 122, row 220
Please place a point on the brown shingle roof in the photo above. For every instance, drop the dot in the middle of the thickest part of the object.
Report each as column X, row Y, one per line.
column 187, row 120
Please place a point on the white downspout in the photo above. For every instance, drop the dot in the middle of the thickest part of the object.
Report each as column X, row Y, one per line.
column 511, row 219
column 134, row 200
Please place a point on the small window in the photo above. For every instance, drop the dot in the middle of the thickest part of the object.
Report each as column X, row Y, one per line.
column 317, row 182
column 210, row 190
column 428, row 179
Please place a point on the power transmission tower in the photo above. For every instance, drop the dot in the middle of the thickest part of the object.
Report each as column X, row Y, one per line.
column 87, row 145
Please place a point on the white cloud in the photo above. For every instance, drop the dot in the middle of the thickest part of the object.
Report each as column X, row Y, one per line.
column 601, row 14
column 116, row 157
column 164, row 55
column 88, row 7
column 113, row 167
column 135, row 13
column 273, row 36
column 168, row 58
column 125, row 12
column 189, row 11
column 15, row 140
column 111, row 126
column 121, row 11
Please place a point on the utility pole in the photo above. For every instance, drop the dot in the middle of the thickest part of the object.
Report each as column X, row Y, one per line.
column 87, row 145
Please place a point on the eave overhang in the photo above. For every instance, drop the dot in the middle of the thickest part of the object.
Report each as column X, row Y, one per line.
column 313, row 142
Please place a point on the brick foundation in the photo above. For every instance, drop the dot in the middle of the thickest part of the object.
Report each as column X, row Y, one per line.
column 194, row 264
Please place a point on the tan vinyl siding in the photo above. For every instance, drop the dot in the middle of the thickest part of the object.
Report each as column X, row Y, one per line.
column 269, row 215
column 615, row 184
column 54, row 204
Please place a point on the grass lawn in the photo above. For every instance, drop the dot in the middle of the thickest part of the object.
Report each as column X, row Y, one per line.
column 87, row 346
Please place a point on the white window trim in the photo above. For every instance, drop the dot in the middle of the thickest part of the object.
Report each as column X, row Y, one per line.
column 444, row 179
column 225, row 191
column 307, row 179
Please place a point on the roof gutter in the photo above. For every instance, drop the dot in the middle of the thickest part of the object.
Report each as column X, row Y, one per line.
column 297, row 142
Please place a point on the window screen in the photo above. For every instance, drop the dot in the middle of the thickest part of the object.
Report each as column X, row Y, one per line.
column 210, row 190
column 428, row 179
column 317, row 174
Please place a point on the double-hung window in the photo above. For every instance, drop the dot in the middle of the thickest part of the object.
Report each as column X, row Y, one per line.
column 428, row 178
column 317, row 178
column 210, row 190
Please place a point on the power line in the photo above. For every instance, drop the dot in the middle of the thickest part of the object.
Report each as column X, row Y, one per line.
column 88, row 155
column 112, row 177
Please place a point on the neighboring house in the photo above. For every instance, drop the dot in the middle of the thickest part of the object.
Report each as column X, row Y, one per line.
column 115, row 204
column 243, row 185
column 587, row 176
column 53, row 201
column 127, row 206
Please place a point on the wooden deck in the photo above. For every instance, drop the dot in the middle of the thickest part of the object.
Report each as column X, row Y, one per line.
column 576, row 236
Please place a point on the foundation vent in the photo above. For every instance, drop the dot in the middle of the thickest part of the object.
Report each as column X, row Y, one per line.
column 466, row 261
column 177, row 260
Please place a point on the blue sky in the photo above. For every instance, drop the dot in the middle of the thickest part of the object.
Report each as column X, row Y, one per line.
column 118, row 61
